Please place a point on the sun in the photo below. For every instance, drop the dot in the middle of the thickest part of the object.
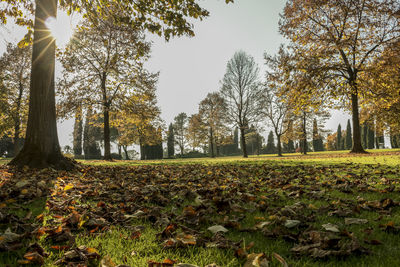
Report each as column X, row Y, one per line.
column 61, row 28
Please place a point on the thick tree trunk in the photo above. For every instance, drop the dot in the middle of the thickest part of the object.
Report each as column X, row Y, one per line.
column 107, row 146
column 278, row 137
column 211, row 143
column 357, row 146
column 41, row 148
column 243, row 142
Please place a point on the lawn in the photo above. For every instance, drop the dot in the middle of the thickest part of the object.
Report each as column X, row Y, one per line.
column 323, row 209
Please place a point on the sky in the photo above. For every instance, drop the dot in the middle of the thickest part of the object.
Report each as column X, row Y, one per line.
column 192, row 67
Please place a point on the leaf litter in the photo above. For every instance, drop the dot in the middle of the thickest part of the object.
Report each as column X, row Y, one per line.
column 194, row 205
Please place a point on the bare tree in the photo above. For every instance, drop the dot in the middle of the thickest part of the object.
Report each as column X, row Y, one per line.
column 278, row 113
column 242, row 93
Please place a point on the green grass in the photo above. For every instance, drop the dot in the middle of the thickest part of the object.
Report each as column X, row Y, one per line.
column 389, row 157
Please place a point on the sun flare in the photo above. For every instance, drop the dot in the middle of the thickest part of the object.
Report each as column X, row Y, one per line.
column 61, row 28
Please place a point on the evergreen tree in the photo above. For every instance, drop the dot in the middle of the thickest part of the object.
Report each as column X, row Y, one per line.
column 317, row 139
column 339, row 138
column 348, row 139
column 371, row 137
column 364, row 135
column 77, row 134
column 270, row 149
column 171, row 141
column 90, row 146
column 291, row 147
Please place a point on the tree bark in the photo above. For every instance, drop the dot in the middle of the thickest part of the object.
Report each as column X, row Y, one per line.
column 243, row 142
column 357, row 146
column 278, row 137
column 41, row 148
column 211, row 143
column 107, row 146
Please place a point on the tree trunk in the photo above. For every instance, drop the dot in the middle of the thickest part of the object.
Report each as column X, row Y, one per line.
column 211, row 143
column 357, row 146
column 243, row 142
column 305, row 148
column 126, row 152
column 41, row 148
column 278, row 137
column 119, row 151
column 107, row 146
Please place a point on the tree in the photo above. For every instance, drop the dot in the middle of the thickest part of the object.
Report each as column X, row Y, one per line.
column 339, row 39
column 180, row 130
column 339, row 138
column 242, row 93
column 196, row 133
column 348, row 141
column 41, row 148
column 78, row 131
column 15, row 67
column 277, row 111
column 212, row 112
column 91, row 148
column 102, row 64
column 317, row 138
column 171, row 141
column 270, row 144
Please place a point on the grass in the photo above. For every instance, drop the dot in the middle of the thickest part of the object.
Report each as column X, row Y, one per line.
column 316, row 171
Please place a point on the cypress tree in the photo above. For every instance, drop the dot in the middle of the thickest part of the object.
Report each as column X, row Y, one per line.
column 90, row 146
column 317, row 139
column 270, row 143
column 339, row 138
column 364, row 135
column 77, row 134
column 371, row 137
column 291, row 147
column 349, row 139
column 171, row 141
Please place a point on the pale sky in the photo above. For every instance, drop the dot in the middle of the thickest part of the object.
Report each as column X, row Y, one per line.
column 192, row 67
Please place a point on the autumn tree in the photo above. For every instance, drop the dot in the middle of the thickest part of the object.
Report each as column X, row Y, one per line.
column 196, row 134
column 102, row 64
column 278, row 113
column 15, row 67
column 41, row 147
column 180, row 130
column 242, row 93
column 339, row 39
column 212, row 112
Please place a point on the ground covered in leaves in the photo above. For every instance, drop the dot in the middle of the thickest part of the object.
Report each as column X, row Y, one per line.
column 233, row 214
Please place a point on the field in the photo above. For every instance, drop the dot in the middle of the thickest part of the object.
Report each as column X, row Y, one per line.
column 323, row 209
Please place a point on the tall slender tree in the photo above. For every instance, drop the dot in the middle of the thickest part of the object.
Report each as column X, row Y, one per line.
column 339, row 138
column 171, row 141
column 78, row 131
column 243, row 94
column 349, row 140
column 180, row 130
